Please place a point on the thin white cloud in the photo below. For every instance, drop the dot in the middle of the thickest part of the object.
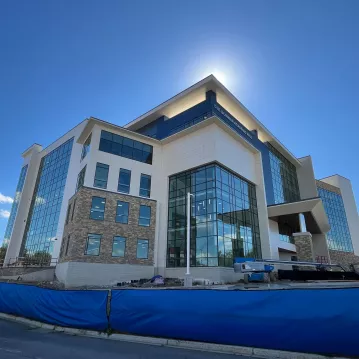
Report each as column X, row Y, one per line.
column 5, row 199
column 4, row 213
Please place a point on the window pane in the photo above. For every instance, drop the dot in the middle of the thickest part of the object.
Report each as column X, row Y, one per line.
column 122, row 212
column 81, row 179
column 124, row 181
column 125, row 147
column 145, row 216
column 142, row 248
column 101, row 175
column 43, row 217
column 98, row 208
column 86, row 147
column 221, row 212
column 118, row 246
column 106, row 135
column 93, row 244
column 145, row 185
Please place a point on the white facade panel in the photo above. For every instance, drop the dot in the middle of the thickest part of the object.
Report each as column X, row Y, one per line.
column 306, row 179
column 71, row 181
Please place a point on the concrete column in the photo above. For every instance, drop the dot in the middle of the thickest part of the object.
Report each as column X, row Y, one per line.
column 304, row 246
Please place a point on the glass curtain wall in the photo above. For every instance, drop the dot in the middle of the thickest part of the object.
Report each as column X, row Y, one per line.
column 338, row 237
column 15, row 205
column 284, row 177
column 43, row 219
column 224, row 218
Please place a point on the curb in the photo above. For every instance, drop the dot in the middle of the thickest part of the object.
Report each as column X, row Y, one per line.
column 182, row 344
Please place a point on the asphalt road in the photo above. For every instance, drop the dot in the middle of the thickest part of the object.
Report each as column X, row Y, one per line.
column 18, row 341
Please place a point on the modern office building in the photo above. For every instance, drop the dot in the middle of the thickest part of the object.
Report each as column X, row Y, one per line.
column 110, row 202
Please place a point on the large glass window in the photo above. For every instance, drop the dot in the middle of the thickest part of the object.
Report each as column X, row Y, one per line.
column 93, row 244
column 122, row 212
column 125, row 147
column 284, row 177
column 145, row 216
column 81, row 179
column 145, row 185
column 98, row 208
column 118, row 246
column 43, row 219
column 142, row 248
column 101, row 175
column 86, row 147
column 15, row 205
column 286, row 232
column 124, row 181
column 224, row 218
column 338, row 237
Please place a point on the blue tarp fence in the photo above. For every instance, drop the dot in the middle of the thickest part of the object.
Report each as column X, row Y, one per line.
column 78, row 309
column 315, row 321
column 324, row 321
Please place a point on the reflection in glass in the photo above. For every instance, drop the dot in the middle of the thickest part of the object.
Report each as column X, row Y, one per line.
column 98, row 208
column 338, row 237
column 122, row 212
column 125, row 147
column 142, row 248
column 224, row 218
column 42, row 222
column 93, row 244
column 118, row 246
column 86, row 147
column 145, row 185
column 101, row 175
column 144, row 218
column 284, row 178
column 124, row 181
column 81, row 179
column 15, row 205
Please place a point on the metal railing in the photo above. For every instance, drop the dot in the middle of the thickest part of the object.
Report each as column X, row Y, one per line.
column 30, row 261
column 322, row 259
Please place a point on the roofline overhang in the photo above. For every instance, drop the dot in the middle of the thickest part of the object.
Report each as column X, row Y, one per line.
column 210, row 82
column 207, row 122
column 92, row 121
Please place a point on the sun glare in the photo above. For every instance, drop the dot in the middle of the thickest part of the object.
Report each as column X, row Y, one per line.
column 220, row 76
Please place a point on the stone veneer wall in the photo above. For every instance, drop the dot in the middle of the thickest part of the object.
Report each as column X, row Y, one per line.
column 81, row 225
column 343, row 258
column 304, row 246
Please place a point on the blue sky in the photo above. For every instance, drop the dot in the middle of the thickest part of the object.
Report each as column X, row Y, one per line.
column 294, row 64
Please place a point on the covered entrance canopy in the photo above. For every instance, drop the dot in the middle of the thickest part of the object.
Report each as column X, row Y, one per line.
column 316, row 220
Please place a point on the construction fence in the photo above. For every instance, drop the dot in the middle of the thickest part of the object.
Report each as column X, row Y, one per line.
column 323, row 321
